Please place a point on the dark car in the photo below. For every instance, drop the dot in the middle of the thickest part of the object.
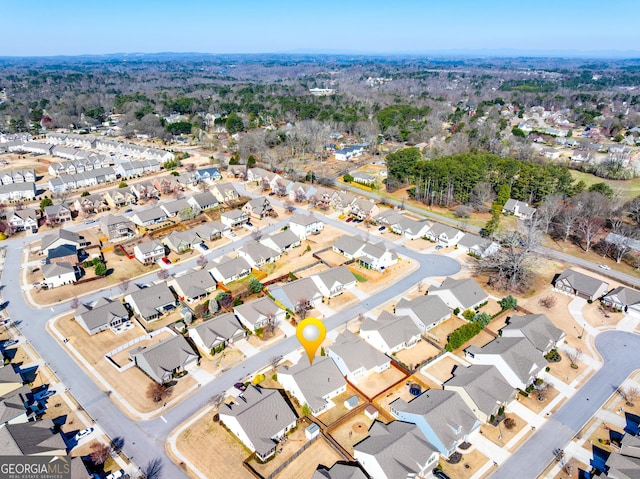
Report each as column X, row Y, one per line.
column 439, row 473
column 240, row 386
column 349, row 219
column 382, row 228
column 128, row 211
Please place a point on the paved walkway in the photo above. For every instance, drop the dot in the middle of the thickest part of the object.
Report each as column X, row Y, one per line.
column 629, row 323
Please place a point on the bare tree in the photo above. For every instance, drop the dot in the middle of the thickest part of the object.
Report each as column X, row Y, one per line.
column 264, row 184
column 574, row 356
column 565, row 221
column 629, row 394
column 588, row 227
column 158, row 392
column 620, row 246
column 302, row 308
column 201, row 261
column 289, row 206
column 153, row 470
column 543, row 391
column 271, row 323
column 547, row 302
column 274, row 362
column 256, row 234
column 217, row 400
column 100, row 453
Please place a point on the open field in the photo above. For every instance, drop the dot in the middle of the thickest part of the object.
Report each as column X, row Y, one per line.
column 627, row 189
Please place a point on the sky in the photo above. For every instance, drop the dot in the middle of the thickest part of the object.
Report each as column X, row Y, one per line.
column 74, row 27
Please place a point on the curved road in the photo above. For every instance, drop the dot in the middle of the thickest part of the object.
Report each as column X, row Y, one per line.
column 144, row 441
column 619, row 352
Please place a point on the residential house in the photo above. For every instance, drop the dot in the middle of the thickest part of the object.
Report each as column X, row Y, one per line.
column 181, row 241
column 305, row 225
column 216, row 333
column 537, row 328
column 57, row 214
column 349, row 152
column 460, row 294
column 258, row 207
column 301, row 192
column 370, row 255
column 623, row 298
column 211, row 230
column 625, row 463
column 259, row 312
column 132, row 169
column 389, row 333
column 283, row 188
column 355, row 357
column 13, row 408
column 148, row 252
column 164, row 360
column 364, row 208
column 395, row 450
column 477, row 245
column 187, row 179
column 581, row 285
column 363, row 178
column 33, row 438
column 119, row 197
column 24, row 220
column 193, row 285
column 260, row 418
column 291, row 295
column 425, row 311
column 162, row 156
column 282, row 241
column 335, row 281
column 202, row 201
column 61, row 237
column 516, row 358
column 35, row 147
column 403, row 225
column 63, row 253
column 101, row 315
column 237, row 171
column 340, row 470
column 444, row 234
column 442, row 416
column 149, row 216
column 17, row 176
column 342, row 201
column 550, row 153
column 144, row 190
column 151, row 302
column 263, row 177
column 90, row 204
column 483, row 389
column 116, row 227
column 230, row 269
column 10, row 379
column 208, row 175
column 172, row 208
column 520, row 209
column 225, row 192
column 258, row 254
column 166, row 184
column 313, row 384
column 234, row 218
column 59, row 274
column 17, row 191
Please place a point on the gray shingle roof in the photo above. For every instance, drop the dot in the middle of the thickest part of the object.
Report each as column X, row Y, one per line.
column 222, row 327
column 229, row 267
column 581, row 282
column 356, row 352
column 317, row 380
column 204, row 199
column 150, row 214
column 521, row 356
column 290, row 294
column 234, row 214
column 30, row 438
column 340, row 275
column 258, row 252
column 174, row 207
column 466, row 291
column 149, row 300
column 258, row 309
column 394, row 330
column 149, row 246
column 261, row 414
column 537, row 328
column 8, row 375
column 625, row 296
column 57, row 269
column 195, row 283
column 284, row 239
column 304, row 220
column 445, row 412
column 428, row 309
column 164, row 357
column 486, row 386
column 399, row 447
column 101, row 313
column 66, row 235
column 339, row 471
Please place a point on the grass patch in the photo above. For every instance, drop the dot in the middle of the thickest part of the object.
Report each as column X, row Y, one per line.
column 359, row 278
column 628, row 189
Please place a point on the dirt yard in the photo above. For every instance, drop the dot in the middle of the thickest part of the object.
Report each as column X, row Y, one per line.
column 467, row 467
column 442, row 369
column 444, row 329
column 352, row 431
column 534, row 403
column 417, row 354
column 500, row 434
column 213, row 450
column 303, row 467
column 399, row 391
column 338, row 411
column 375, row 383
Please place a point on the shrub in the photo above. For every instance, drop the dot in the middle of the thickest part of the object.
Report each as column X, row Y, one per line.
column 456, row 311
column 509, row 423
column 469, row 314
column 508, row 302
column 461, row 335
column 482, row 318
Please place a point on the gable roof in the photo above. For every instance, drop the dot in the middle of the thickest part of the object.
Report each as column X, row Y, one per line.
column 399, row 447
column 51, row 270
column 340, row 470
column 195, row 283
column 486, row 386
column 581, row 282
column 283, row 239
column 101, row 312
column 290, row 294
column 315, row 380
column 204, row 199
column 261, row 413
column 149, row 246
column 340, row 275
column 166, row 356
column 395, row 330
column 445, row 411
column 304, row 220
column 65, row 235
column 31, row 438
column 258, row 309
column 466, row 291
column 148, row 300
column 175, row 206
column 357, row 353
column 8, row 375
column 623, row 295
column 428, row 309
column 440, row 228
column 258, row 252
column 224, row 326
column 62, row 251
column 537, row 328
column 230, row 267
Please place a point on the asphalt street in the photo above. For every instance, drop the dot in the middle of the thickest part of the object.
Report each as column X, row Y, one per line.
column 619, row 352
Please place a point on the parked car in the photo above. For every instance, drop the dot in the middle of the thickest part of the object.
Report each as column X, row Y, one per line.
column 203, row 246
column 9, row 342
column 88, row 222
column 82, row 434
column 439, row 246
column 439, row 473
column 382, row 228
column 240, row 386
column 128, row 210
column 166, row 260
column 249, row 224
column 115, row 475
column 605, row 267
column 349, row 219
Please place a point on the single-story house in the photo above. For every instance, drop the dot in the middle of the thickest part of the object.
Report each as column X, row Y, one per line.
column 389, row 333
column 444, row 234
column 313, row 384
column 230, row 269
column 623, row 298
column 149, row 216
column 216, row 333
column 581, row 285
column 258, row 254
column 460, row 294
column 162, row 361
column 202, row 201
column 335, row 281
column 355, row 357
column 211, row 230
column 374, row 256
column 537, row 328
column 181, row 241
column 477, row 245
column 425, row 311
column 101, row 315
column 193, row 285
column 282, row 241
column 151, row 302
column 260, row 418
column 172, row 208
column 403, row 225
column 257, row 313
column 518, row 208
column 290, row 295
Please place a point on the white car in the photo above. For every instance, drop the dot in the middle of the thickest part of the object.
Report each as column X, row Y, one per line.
column 605, row 267
column 115, row 475
column 82, row 434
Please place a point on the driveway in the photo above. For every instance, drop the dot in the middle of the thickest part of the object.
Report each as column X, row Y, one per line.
column 619, row 352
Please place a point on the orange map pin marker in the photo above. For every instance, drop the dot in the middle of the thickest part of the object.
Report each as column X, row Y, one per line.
column 311, row 332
